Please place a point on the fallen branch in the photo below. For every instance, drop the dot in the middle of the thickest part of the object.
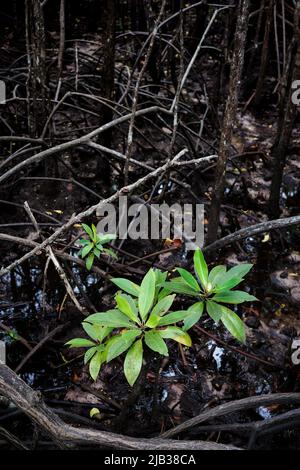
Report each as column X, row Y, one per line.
column 65, row 280
column 39, row 346
column 287, row 420
column 59, row 254
column 233, row 407
column 121, row 157
column 32, row 404
column 31, row 217
column 80, row 140
column 75, row 219
column 252, row 231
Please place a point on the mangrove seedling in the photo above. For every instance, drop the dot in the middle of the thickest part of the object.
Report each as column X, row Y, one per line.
column 142, row 317
column 93, row 246
column 212, row 289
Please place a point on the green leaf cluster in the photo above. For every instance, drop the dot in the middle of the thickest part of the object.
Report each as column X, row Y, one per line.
column 143, row 314
column 212, row 289
column 142, row 317
column 93, row 246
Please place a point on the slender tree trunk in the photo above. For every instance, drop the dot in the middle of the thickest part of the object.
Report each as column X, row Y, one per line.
column 36, row 53
column 199, row 26
column 221, row 81
column 286, row 119
column 142, row 21
column 137, row 15
column 229, row 119
column 264, row 53
column 108, row 67
column 62, row 37
column 255, row 44
column 133, row 15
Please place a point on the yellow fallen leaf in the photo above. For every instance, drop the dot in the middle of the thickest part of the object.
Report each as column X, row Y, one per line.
column 94, row 412
column 266, row 238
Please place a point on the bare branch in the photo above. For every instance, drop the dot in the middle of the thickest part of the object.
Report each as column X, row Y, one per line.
column 31, row 403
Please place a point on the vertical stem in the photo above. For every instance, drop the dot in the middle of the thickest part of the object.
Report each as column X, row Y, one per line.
column 198, row 28
column 229, row 119
column 136, row 91
column 283, row 33
column 256, row 38
column 264, row 54
column 286, row 119
column 62, row 36
column 108, row 68
column 36, row 56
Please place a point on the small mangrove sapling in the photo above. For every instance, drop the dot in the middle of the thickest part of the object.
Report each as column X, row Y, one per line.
column 143, row 314
column 212, row 290
column 93, row 246
column 142, row 317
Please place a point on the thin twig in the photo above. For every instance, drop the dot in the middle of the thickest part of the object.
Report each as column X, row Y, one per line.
column 65, row 280
column 237, row 350
column 32, row 218
column 39, row 346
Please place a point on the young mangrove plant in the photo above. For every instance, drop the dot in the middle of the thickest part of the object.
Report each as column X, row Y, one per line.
column 212, row 289
column 143, row 314
column 142, row 317
column 93, row 246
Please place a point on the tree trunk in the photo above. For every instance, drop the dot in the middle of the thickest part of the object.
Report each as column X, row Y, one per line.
column 264, row 54
column 36, row 53
column 286, row 119
column 62, row 37
column 222, row 70
column 255, row 44
column 199, row 25
column 108, row 66
column 229, row 119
